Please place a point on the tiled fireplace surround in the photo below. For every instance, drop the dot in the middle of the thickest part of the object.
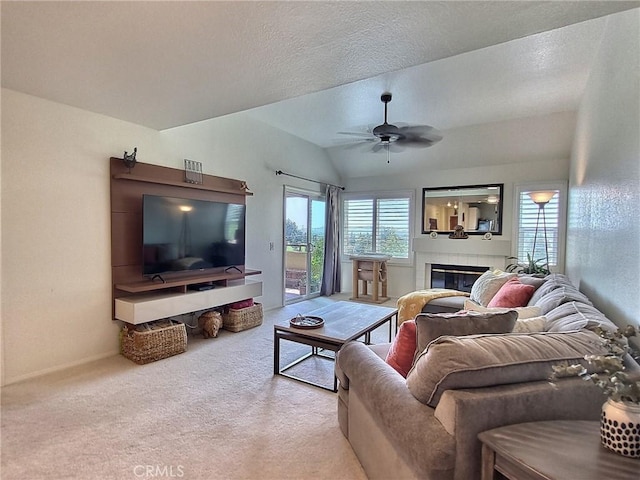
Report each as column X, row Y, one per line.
column 473, row 251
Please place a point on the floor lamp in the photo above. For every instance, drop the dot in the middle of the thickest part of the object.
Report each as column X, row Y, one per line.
column 541, row 199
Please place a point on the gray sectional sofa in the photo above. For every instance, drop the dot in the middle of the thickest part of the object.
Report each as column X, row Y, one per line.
column 426, row 426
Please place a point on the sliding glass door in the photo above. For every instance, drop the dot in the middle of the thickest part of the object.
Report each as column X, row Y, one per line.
column 304, row 236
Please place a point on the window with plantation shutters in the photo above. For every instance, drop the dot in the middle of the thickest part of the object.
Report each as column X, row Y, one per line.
column 377, row 224
column 538, row 230
column 358, row 226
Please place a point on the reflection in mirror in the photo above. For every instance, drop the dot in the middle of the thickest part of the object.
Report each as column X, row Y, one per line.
column 478, row 208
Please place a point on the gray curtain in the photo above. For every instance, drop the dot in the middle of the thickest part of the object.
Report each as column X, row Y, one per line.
column 331, row 270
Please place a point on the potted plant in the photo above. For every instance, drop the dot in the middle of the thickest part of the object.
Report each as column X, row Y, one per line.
column 532, row 266
column 620, row 420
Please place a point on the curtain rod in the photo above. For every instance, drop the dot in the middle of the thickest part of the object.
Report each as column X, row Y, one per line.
column 280, row 172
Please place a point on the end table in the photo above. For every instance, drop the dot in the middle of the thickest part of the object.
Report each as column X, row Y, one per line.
column 553, row 450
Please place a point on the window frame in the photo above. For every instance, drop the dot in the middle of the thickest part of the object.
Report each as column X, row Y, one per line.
column 561, row 186
column 375, row 196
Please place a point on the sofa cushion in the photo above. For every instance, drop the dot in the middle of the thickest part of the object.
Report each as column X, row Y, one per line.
column 530, row 325
column 484, row 360
column 403, row 348
column 560, row 295
column 412, row 303
column 488, row 284
column 445, row 305
column 576, row 316
column 523, row 312
column 430, row 326
column 514, row 293
column 551, row 282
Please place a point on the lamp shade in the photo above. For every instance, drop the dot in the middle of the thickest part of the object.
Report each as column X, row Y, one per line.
column 542, row 197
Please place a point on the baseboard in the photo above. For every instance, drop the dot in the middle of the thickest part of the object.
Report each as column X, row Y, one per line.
column 39, row 373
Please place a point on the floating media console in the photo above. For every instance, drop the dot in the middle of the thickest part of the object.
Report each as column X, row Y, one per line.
column 136, row 309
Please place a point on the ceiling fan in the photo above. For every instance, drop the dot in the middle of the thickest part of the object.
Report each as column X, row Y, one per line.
column 390, row 137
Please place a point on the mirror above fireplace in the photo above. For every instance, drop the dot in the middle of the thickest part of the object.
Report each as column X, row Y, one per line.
column 478, row 208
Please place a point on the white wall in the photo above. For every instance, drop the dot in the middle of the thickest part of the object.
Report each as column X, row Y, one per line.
column 401, row 279
column 603, row 246
column 56, row 265
column 56, row 268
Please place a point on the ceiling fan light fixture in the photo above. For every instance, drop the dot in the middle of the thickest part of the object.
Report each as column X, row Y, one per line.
column 387, row 139
column 387, row 132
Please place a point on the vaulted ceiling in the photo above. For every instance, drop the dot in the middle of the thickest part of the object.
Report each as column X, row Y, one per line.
column 314, row 69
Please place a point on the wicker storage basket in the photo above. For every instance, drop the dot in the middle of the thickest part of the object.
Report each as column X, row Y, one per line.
column 152, row 341
column 238, row 320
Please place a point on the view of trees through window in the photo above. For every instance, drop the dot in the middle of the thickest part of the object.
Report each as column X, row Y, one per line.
column 296, row 238
column 377, row 225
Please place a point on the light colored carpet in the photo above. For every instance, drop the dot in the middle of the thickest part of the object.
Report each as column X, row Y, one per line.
column 214, row 412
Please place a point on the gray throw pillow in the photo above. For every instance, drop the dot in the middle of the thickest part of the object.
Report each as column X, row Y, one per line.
column 452, row 363
column 430, row 326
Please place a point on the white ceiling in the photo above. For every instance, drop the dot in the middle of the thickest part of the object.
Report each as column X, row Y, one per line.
column 317, row 68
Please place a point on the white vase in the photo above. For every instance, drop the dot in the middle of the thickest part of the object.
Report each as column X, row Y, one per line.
column 620, row 428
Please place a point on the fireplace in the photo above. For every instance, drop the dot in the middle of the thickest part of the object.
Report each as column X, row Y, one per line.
column 455, row 277
column 459, row 254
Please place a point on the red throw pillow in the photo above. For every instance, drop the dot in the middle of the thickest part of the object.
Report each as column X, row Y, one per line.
column 403, row 348
column 512, row 294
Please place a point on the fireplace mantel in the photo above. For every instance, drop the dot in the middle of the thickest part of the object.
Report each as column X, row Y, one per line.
column 471, row 251
column 469, row 246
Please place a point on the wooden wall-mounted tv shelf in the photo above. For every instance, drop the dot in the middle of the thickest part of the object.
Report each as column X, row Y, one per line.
column 182, row 283
column 137, row 299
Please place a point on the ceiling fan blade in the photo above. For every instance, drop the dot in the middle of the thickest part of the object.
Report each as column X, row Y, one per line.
column 419, row 142
column 362, row 144
column 355, row 134
column 416, row 130
column 419, row 136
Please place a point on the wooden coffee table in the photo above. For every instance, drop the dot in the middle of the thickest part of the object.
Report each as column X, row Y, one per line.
column 343, row 322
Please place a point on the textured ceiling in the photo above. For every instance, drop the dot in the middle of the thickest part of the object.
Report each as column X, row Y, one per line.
column 531, row 76
column 318, row 67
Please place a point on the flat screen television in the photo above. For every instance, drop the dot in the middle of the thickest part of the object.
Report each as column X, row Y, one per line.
column 185, row 235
